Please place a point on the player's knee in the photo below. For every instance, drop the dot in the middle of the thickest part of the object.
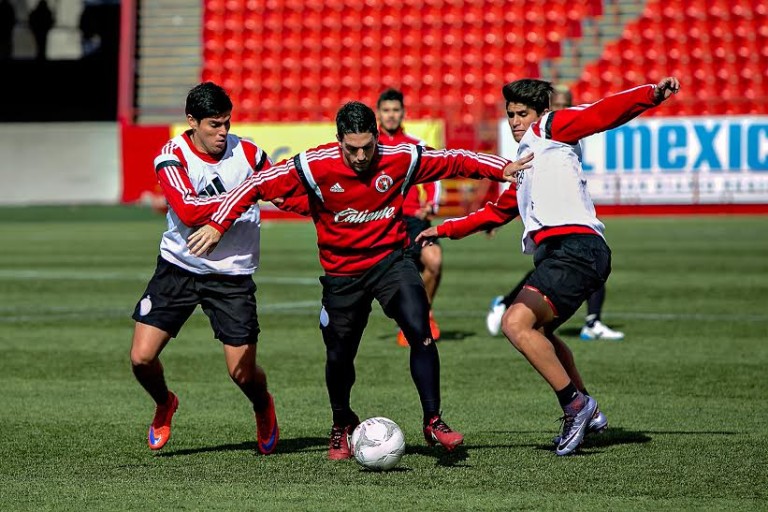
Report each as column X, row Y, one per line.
column 432, row 261
column 513, row 328
column 241, row 375
column 142, row 358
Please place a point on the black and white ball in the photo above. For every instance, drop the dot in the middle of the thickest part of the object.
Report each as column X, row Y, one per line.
column 378, row 444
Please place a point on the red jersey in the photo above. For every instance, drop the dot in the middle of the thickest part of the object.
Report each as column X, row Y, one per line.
column 358, row 217
column 420, row 195
column 493, row 215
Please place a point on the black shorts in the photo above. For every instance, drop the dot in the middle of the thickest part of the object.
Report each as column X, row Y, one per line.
column 568, row 270
column 173, row 294
column 414, row 226
column 347, row 299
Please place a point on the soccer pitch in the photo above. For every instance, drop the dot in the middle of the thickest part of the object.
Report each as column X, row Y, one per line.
column 685, row 393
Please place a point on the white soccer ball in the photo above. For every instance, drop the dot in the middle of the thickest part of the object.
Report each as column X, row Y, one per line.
column 378, row 444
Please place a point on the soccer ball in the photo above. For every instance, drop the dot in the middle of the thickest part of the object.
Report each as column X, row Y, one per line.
column 378, row 444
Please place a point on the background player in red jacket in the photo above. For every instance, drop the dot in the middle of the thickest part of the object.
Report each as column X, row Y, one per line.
column 420, row 205
column 195, row 169
column 560, row 229
column 356, row 190
column 593, row 327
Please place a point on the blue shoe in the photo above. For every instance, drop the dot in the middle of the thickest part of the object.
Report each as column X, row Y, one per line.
column 575, row 427
column 597, row 425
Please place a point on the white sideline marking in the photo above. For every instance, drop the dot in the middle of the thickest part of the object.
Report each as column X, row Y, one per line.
column 312, row 308
column 80, row 275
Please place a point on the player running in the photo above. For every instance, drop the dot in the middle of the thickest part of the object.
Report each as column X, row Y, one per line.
column 561, row 230
column 195, row 169
column 356, row 190
column 420, row 204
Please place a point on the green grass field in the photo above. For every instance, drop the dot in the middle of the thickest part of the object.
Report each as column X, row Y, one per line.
column 686, row 392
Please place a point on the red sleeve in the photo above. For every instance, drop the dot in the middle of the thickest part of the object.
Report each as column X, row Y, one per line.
column 282, row 180
column 573, row 124
column 492, row 215
column 437, row 164
column 296, row 204
column 193, row 210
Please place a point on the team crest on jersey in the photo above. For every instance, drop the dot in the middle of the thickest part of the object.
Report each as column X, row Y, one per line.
column 383, row 183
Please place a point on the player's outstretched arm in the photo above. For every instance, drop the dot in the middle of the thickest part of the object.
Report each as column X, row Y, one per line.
column 572, row 124
column 492, row 215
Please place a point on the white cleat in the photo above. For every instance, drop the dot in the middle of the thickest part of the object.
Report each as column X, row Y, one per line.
column 600, row 331
column 493, row 320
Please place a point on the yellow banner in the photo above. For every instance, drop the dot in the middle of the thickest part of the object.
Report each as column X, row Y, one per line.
column 283, row 140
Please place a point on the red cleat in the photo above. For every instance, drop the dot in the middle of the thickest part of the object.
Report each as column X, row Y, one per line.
column 338, row 448
column 160, row 429
column 436, row 431
column 267, row 430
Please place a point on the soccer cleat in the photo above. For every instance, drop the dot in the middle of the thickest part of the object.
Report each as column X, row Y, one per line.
column 600, row 331
column 575, row 427
column 493, row 320
column 597, row 425
column 267, row 429
column 436, row 431
column 160, row 429
column 338, row 448
column 401, row 339
column 433, row 327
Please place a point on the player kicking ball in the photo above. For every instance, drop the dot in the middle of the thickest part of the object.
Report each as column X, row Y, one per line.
column 356, row 188
column 561, row 230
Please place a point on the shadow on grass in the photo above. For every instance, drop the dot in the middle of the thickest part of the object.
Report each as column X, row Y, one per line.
column 449, row 336
column 299, row 444
column 443, row 457
column 445, row 336
column 613, row 436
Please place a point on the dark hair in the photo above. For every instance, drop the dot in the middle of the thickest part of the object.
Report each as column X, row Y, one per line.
column 207, row 100
column 355, row 117
column 391, row 95
column 530, row 92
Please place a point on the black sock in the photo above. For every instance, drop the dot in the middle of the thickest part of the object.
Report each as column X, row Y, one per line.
column 425, row 371
column 566, row 395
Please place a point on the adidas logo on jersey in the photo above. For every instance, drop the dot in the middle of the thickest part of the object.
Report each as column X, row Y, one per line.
column 337, row 188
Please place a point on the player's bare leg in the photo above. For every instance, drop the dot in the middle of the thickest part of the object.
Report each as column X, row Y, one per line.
column 432, row 259
column 252, row 381
column 148, row 342
column 520, row 325
column 565, row 356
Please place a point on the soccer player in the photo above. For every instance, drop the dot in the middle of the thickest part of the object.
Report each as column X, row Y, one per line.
column 356, row 190
column 593, row 328
column 195, row 169
column 420, row 204
column 561, row 230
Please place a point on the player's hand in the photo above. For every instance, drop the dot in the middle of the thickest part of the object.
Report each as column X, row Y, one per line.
column 511, row 170
column 427, row 237
column 666, row 88
column 278, row 201
column 491, row 233
column 204, row 240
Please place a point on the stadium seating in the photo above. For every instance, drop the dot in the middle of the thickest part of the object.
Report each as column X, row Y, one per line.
column 292, row 59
